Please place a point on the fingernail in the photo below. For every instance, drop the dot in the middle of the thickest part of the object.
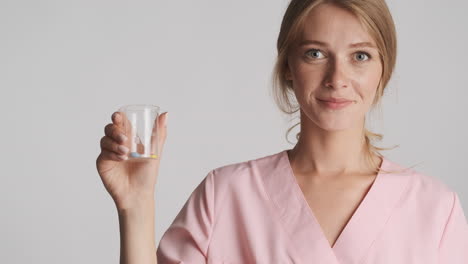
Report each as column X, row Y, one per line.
column 122, row 138
column 123, row 149
column 165, row 118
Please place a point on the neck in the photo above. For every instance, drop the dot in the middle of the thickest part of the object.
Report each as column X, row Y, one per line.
column 332, row 153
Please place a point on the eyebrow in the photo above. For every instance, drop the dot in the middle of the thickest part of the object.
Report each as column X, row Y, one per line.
column 354, row 45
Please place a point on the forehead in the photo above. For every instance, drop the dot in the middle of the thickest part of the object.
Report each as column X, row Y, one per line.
column 332, row 24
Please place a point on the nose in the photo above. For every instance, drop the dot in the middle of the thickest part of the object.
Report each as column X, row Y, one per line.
column 336, row 76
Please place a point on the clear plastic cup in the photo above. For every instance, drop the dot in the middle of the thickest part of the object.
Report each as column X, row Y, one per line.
column 140, row 127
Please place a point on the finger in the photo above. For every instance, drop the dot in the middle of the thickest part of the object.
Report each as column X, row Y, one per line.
column 114, row 132
column 109, row 144
column 110, row 155
column 121, row 120
column 158, row 123
column 158, row 136
column 124, row 124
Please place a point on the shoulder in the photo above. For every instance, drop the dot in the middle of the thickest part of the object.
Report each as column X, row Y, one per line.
column 239, row 174
column 421, row 182
column 428, row 185
column 427, row 192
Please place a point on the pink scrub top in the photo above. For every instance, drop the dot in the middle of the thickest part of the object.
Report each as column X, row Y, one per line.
column 255, row 212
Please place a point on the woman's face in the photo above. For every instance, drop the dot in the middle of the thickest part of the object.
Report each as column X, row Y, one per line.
column 334, row 68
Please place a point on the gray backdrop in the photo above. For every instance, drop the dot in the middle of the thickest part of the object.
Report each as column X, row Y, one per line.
column 67, row 65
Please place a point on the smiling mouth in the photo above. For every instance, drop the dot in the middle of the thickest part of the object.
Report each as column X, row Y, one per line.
column 334, row 105
column 335, row 100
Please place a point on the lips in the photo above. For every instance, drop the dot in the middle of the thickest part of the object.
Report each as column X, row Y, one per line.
column 334, row 103
column 335, row 100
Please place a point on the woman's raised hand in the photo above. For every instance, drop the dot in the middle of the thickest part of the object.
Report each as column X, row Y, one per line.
column 128, row 181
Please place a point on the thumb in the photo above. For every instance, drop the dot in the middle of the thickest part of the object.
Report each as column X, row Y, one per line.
column 159, row 134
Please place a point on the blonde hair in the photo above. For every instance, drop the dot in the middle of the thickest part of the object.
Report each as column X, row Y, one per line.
column 377, row 20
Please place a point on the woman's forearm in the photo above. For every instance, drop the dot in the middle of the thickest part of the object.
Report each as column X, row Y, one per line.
column 137, row 240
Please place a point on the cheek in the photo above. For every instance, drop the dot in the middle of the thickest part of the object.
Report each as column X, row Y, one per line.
column 366, row 85
column 306, row 88
column 307, row 79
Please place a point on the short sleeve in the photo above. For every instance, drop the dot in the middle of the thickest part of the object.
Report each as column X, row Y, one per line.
column 453, row 248
column 187, row 238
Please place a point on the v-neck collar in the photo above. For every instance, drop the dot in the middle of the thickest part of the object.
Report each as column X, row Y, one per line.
column 305, row 232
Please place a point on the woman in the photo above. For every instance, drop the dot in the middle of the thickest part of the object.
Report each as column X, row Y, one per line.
column 333, row 198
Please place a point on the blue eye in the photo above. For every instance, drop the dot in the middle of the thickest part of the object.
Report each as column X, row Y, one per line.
column 365, row 54
column 361, row 56
column 314, row 51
